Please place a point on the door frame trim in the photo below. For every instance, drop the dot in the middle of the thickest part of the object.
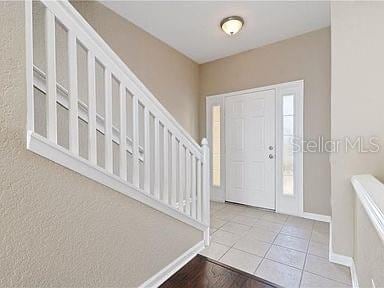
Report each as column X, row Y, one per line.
column 219, row 99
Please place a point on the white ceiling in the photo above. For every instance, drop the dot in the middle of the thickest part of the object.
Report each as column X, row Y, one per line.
column 192, row 27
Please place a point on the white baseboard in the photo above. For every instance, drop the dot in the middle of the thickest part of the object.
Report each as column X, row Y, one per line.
column 340, row 259
column 160, row 277
column 343, row 260
column 355, row 281
column 317, row 217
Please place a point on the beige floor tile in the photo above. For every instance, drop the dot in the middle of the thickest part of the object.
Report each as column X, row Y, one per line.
column 323, row 267
column 253, row 212
column 224, row 237
column 235, row 228
column 310, row 280
column 245, row 220
column 296, row 232
column 251, row 231
column 292, row 242
column 236, row 207
column 217, row 223
column 262, row 234
column 215, row 206
column 275, row 217
column 251, row 245
column 286, row 256
column 231, row 210
column 299, row 222
column 278, row 273
column 320, row 237
column 241, row 260
column 319, row 249
column 321, row 226
column 268, row 225
column 223, row 215
column 214, row 251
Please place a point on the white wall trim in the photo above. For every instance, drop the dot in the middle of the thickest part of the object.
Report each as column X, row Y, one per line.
column 160, row 277
column 365, row 186
column 258, row 89
column 317, row 217
column 42, row 146
column 343, row 260
column 337, row 258
column 355, row 280
column 340, row 259
column 280, row 89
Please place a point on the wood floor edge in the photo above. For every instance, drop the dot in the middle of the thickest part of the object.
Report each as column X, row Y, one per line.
column 239, row 271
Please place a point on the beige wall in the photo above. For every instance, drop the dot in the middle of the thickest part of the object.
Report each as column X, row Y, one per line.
column 357, row 105
column 169, row 75
column 304, row 57
column 57, row 227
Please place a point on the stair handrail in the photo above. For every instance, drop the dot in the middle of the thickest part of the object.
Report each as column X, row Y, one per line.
column 188, row 196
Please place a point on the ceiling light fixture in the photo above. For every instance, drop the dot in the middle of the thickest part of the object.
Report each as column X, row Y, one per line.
column 231, row 25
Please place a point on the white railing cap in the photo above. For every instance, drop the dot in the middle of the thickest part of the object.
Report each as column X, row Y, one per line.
column 370, row 192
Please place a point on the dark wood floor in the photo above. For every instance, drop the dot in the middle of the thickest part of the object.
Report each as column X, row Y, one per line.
column 204, row 272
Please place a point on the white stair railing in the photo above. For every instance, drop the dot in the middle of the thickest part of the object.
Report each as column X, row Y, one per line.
column 169, row 170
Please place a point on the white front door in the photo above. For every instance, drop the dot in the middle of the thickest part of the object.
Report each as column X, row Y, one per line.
column 250, row 148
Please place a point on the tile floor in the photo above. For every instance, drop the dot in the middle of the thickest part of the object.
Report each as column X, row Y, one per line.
column 286, row 250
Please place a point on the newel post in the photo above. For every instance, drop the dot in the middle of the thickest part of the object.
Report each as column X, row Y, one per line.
column 206, row 189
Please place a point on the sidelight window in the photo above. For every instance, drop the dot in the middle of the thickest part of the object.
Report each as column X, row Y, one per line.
column 288, row 134
column 216, row 158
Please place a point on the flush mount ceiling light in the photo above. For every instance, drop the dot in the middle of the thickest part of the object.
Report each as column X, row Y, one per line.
column 231, row 25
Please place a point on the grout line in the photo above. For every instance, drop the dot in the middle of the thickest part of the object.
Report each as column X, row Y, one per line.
column 290, row 248
column 305, row 260
column 270, row 247
column 285, row 234
column 230, row 247
column 257, row 219
column 243, row 234
column 338, row 281
column 285, row 264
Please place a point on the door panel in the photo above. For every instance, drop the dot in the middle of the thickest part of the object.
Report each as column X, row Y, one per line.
column 237, row 177
column 250, row 130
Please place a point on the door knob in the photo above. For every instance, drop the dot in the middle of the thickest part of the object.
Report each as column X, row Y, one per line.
column 270, row 156
column 270, row 147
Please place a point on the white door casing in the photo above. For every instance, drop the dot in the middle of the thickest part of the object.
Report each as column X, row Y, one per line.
column 250, row 144
column 289, row 204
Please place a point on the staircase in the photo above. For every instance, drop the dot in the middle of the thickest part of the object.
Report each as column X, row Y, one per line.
column 116, row 133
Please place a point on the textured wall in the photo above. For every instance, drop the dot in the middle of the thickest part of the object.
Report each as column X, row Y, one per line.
column 357, row 106
column 305, row 57
column 57, row 227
